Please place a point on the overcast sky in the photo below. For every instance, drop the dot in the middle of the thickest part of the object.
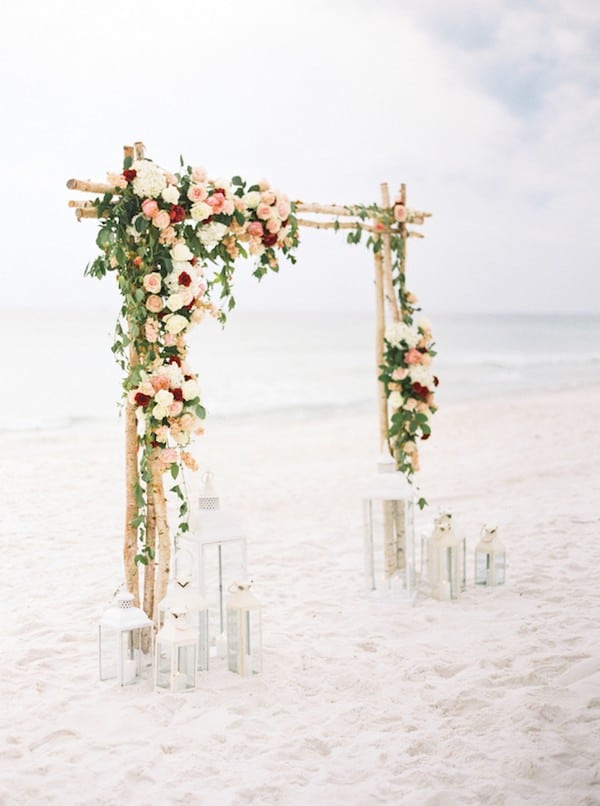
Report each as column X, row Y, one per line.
column 489, row 111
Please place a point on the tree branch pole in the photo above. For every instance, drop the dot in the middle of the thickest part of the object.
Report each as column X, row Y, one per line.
column 379, row 334
column 386, row 239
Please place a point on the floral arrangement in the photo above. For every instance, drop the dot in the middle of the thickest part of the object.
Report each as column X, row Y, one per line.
column 410, row 385
column 172, row 240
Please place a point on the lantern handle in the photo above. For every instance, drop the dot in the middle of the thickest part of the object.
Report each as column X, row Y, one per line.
column 240, row 586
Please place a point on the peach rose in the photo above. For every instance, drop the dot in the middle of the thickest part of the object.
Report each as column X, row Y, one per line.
column 399, row 374
column 149, row 208
column 273, row 225
column 152, row 282
column 189, row 461
column 268, row 197
column 228, row 207
column 154, row 304
column 255, row 228
column 170, row 340
column 151, row 330
column 168, row 236
column 263, row 211
column 159, row 382
column 175, row 408
column 197, row 193
column 187, row 421
column 216, row 203
column 425, row 359
column 199, row 174
column 116, row 180
column 283, row 207
column 161, row 220
column 412, row 298
column 264, row 184
column 400, row 212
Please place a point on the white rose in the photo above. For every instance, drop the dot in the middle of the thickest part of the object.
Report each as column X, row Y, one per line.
column 190, row 390
column 164, row 398
column 159, row 412
column 252, row 199
column 175, row 302
column 200, row 211
column 174, row 374
column 175, row 323
column 181, row 253
column 212, row 234
column 149, row 181
column 223, row 184
column 170, row 194
column 422, row 375
column 424, row 324
column 395, row 399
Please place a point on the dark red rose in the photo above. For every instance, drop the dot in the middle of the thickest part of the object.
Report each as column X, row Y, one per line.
column 269, row 238
column 425, row 436
column 177, row 394
column 184, row 279
column 130, row 174
column 176, row 213
column 220, row 190
column 420, row 391
column 141, row 399
column 174, row 359
column 436, row 380
column 285, row 223
column 188, row 377
column 155, row 444
column 190, row 306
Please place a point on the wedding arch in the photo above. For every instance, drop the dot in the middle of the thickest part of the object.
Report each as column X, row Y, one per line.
column 173, row 240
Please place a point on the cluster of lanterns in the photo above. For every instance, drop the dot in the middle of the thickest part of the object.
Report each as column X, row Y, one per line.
column 390, row 565
column 202, row 614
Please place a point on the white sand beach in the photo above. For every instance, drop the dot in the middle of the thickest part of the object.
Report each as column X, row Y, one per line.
column 494, row 698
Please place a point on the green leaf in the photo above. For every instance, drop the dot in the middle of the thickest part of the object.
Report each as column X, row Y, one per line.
column 175, row 470
column 422, row 503
column 200, row 412
column 237, row 181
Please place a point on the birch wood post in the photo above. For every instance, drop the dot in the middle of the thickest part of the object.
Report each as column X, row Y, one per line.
column 379, row 333
column 390, row 293
column 162, row 531
column 150, row 569
column 404, row 232
column 131, row 479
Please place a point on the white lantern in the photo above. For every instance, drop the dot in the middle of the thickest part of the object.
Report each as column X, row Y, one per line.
column 182, row 597
column 124, row 638
column 244, row 631
column 490, row 558
column 221, row 550
column 175, row 660
column 446, row 560
column 389, row 534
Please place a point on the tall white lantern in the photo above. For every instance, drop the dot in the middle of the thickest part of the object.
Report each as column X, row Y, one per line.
column 221, row 551
column 175, row 659
column 182, row 597
column 446, row 560
column 490, row 558
column 244, row 631
column 389, row 544
column 124, row 633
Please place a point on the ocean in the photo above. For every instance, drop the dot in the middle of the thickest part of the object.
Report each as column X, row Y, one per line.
column 58, row 368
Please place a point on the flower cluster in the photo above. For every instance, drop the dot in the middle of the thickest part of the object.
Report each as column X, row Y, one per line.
column 409, row 384
column 172, row 240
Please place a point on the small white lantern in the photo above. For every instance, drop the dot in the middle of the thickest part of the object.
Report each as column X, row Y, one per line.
column 175, row 661
column 221, row 550
column 123, row 634
column 446, row 560
column 244, row 631
column 490, row 558
column 389, row 534
column 181, row 596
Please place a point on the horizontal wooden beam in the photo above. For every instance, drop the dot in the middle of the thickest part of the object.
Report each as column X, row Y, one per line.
column 91, row 187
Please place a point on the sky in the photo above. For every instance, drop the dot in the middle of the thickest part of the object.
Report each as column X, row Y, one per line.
column 490, row 112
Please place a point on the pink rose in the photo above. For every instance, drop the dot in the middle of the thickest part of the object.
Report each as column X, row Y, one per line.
column 159, row 382
column 264, row 184
column 412, row 357
column 400, row 212
column 283, row 207
column 273, row 225
column 268, row 197
column 152, row 282
column 149, row 208
column 154, row 304
column 263, row 211
column 422, row 407
column 171, row 178
column 400, row 374
column 239, row 203
column 151, row 330
column 197, row 193
column 216, row 202
column 162, row 433
column 175, row 408
column 228, row 207
column 168, row 456
column 187, row 422
column 168, row 236
column 255, row 228
column 199, row 174
column 116, row 180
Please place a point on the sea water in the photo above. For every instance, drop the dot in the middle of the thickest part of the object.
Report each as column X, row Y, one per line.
column 58, row 368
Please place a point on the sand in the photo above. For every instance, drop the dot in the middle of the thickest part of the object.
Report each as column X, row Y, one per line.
column 494, row 698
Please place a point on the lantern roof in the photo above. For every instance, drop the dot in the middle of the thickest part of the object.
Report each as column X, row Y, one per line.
column 123, row 615
column 242, row 598
column 176, row 629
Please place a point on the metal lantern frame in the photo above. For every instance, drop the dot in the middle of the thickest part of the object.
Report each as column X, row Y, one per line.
column 389, row 535
column 183, row 597
column 175, row 657
column 129, row 630
column 446, row 560
column 490, row 559
column 244, row 631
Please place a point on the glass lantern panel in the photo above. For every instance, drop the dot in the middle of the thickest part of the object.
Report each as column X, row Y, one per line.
column 130, row 668
column 253, row 642
column 221, row 564
column 162, row 672
column 490, row 568
column 233, row 641
column 203, row 645
column 185, row 673
column 108, row 647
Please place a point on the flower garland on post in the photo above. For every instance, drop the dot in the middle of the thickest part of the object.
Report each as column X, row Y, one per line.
column 160, row 236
